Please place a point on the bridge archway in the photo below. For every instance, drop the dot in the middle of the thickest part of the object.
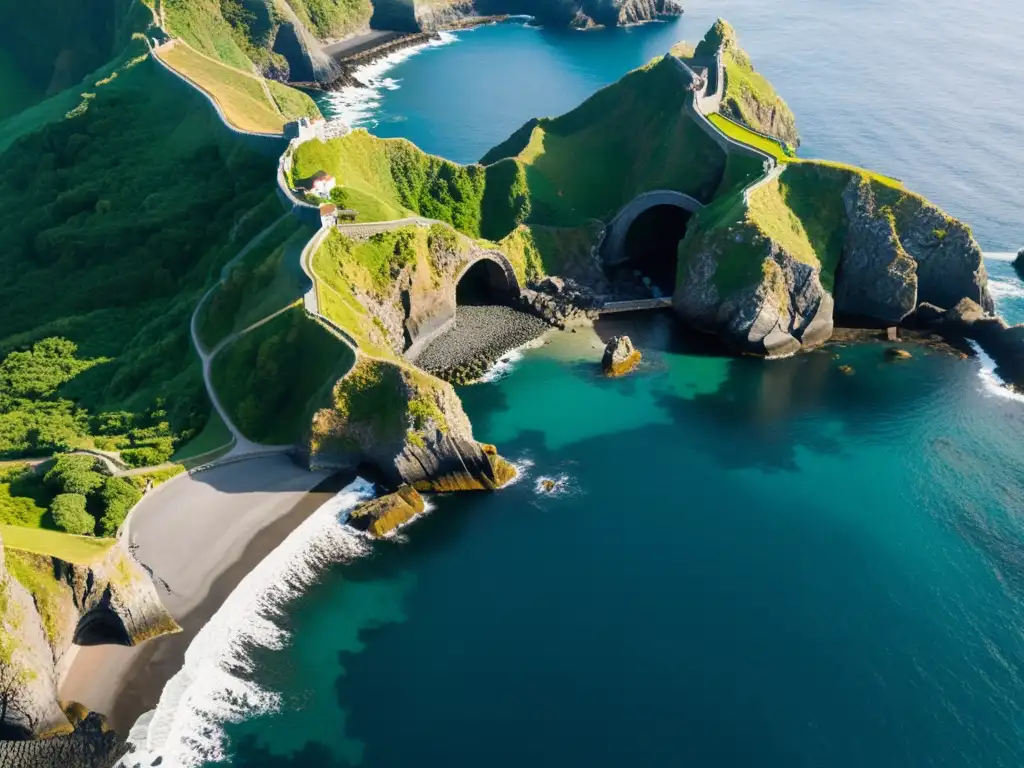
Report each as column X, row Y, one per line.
column 488, row 280
column 644, row 237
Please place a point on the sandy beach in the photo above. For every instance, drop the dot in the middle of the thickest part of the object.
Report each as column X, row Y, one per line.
column 200, row 535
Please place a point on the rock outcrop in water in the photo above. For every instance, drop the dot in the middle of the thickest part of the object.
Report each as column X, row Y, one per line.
column 46, row 604
column 620, row 357
column 383, row 515
column 408, row 424
column 1004, row 343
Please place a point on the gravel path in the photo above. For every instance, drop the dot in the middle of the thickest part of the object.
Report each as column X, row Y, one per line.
column 480, row 336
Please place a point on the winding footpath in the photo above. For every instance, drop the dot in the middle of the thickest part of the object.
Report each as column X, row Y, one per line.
column 242, row 446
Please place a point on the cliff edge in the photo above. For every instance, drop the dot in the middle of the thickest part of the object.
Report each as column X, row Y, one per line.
column 46, row 605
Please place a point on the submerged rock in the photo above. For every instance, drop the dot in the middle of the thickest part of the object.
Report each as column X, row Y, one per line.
column 846, row 369
column 381, row 516
column 620, row 356
column 895, row 353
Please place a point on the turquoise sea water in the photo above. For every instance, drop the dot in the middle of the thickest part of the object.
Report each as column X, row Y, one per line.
column 743, row 563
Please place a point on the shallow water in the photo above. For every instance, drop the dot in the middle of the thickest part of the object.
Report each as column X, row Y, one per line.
column 742, row 563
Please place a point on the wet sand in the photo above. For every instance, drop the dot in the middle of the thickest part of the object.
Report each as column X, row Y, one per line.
column 200, row 536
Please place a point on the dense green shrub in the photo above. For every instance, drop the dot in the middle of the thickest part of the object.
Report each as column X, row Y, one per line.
column 75, row 474
column 68, row 510
column 117, row 497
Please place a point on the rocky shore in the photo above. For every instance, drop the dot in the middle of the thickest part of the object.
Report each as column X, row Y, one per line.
column 477, row 339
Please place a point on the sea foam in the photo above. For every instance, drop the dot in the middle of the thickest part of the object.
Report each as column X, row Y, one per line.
column 211, row 689
column 356, row 105
column 991, row 382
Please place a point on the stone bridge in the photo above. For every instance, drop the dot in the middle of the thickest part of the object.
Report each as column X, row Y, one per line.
column 635, row 305
column 613, row 249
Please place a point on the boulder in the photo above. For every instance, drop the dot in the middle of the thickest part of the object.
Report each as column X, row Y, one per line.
column 552, row 285
column 966, row 312
column 383, row 515
column 620, row 357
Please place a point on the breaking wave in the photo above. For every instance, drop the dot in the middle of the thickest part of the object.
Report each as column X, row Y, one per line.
column 357, row 106
column 211, row 689
column 1005, row 289
column 505, row 364
column 990, row 379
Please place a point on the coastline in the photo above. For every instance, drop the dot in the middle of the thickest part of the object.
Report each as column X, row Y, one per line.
column 200, row 539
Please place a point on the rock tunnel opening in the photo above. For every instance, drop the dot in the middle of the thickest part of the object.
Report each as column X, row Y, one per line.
column 484, row 284
column 650, row 249
column 101, row 626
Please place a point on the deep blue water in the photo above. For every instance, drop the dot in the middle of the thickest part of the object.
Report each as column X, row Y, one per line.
column 929, row 91
column 745, row 562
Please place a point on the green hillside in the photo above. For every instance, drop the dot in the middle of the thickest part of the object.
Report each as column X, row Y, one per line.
column 50, row 45
column 114, row 221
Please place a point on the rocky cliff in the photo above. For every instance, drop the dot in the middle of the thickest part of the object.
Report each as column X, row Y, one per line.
column 749, row 97
column 761, row 269
column 408, row 424
column 46, row 604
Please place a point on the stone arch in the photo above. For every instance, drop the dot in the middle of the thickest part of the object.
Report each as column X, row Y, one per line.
column 490, row 271
column 613, row 250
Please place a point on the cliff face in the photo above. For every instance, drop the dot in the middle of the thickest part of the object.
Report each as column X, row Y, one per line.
column 899, row 251
column 782, row 309
column 50, row 604
column 410, row 425
column 761, row 272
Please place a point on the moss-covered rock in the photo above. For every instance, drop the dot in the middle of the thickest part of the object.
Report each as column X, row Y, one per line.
column 620, row 357
column 383, row 515
column 409, row 424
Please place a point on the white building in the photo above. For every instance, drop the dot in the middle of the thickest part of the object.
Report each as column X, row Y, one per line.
column 322, row 184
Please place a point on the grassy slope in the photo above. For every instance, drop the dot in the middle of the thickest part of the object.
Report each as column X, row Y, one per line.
column 640, row 140
column 74, row 549
column 635, row 132
column 215, row 435
column 201, row 24
column 338, row 264
column 239, row 95
column 273, row 378
column 261, row 283
column 396, row 178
